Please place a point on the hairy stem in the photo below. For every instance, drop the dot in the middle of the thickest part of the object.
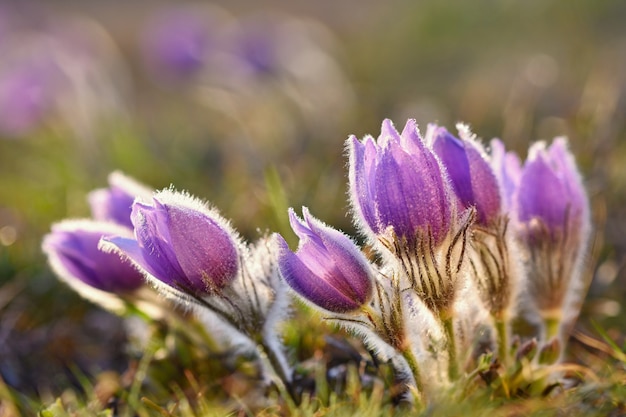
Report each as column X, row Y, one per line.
column 453, row 364
column 411, row 360
column 502, row 339
column 551, row 327
column 277, row 362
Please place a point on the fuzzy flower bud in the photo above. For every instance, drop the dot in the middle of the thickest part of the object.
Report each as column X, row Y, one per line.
column 115, row 203
column 179, row 241
column 554, row 225
column 473, row 180
column 508, row 169
column 328, row 269
column 72, row 249
column 397, row 186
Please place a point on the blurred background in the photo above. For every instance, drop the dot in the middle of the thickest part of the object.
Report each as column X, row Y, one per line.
column 248, row 103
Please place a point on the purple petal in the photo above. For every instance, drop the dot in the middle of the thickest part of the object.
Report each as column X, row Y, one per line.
column 451, row 151
column 508, row 169
column 362, row 166
column 542, row 194
column 73, row 249
column 411, row 195
column 115, row 203
column 346, row 257
column 205, row 251
column 152, row 234
column 472, row 177
column 484, row 186
column 308, row 284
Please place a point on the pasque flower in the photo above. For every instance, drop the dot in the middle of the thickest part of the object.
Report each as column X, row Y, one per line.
column 178, row 42
column 492, row 264
column 397, row 187
column 402, row 200
column 181, row 242
column 508, row 168
column 114, row 204
column 472, row 178
column 551, row 194
column 328, row 269
column 72, row 249
column 553, row 216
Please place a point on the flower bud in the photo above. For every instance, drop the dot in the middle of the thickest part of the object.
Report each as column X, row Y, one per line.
column 72, row 249
column 114, row 203
column 328, row 269
column 553, row 217
column 472, row 178
column 507, row 168
column 553, row 229
column 397, row 186
column 551, row 198
column 179, row 241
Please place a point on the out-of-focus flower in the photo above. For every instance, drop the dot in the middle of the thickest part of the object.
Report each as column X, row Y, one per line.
column 328, row 269
column 68, row 70
column 182, row 243
column 472, row 178
column 551, row 198
column 554, row 225
column 72, row 249
column 257, row 45
column 508, row 169
column 27, row 91
column 397, row 187
column 178, row 42
column 115, row 203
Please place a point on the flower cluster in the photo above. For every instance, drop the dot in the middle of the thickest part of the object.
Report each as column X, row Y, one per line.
column 465, row 237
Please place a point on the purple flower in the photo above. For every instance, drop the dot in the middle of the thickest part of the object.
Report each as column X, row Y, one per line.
column 26, row 95
column 114, row 203
column 472, row 178
column 72, row 249
column 551, row 198
column 328, row 269
column 177, row 43
column 256, row 45
column 179, row 241
column 397, row 184
column 508, row 170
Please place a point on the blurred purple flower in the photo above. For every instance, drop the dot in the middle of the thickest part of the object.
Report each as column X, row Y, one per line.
column 397, row 183
column 182, row 243
column 551, row 193
column 328, row 269
column 472, row 177
column 508, row 169
column 256, row 46
column 114, row 203
column 72, row 249
column 26, row 95
column 176, row 43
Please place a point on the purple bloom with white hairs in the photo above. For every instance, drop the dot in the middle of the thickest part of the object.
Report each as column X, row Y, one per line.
column 179, row 241
column 72, row 249
column 397, row 185
column 551, row 192
column 553, row 227
column 115, row 203
column 328, row 269
column 473, row 179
